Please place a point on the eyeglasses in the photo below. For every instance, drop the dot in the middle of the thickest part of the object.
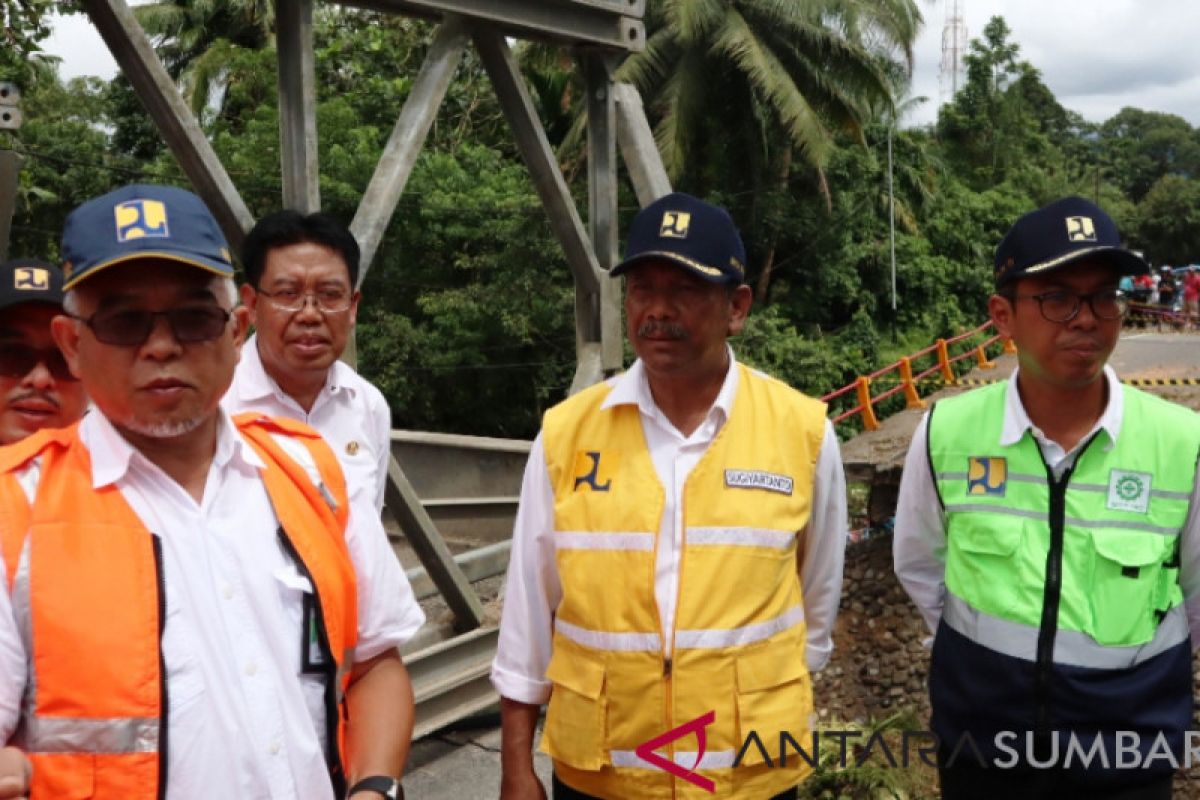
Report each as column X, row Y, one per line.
column 132, row 327
column 18, row 360
column 1106, row 304
column 327, row 301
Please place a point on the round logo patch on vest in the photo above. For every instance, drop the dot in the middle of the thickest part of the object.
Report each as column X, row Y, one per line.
column 1129, row 491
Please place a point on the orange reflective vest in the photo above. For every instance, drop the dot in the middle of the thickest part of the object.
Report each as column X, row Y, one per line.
column 89, row 595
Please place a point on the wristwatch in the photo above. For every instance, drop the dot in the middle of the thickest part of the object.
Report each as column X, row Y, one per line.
column 386, row 785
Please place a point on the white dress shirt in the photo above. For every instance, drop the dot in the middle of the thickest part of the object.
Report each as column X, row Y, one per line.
column 533, row 590
column 350, row 413
column 919, row 546
column 243, row 721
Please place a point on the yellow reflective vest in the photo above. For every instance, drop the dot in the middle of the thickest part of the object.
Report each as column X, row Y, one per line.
column 738, row 646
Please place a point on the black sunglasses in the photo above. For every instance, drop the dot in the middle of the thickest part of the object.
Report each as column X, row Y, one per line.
column 132, row 327
column 18, row 360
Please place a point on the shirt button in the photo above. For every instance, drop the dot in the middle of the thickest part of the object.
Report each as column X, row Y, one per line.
column 275, row 748
column 228, row 592
column 251, row 669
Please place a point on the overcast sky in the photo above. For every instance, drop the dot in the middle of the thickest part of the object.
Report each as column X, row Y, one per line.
column 1097, row 56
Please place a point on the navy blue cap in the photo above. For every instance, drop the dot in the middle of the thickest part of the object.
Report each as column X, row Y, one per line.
column 687, row 231
column 1063, row 233
column 141, row 222
column 30, row 280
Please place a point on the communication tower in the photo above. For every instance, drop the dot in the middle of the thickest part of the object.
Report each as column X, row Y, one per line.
column 954, row 47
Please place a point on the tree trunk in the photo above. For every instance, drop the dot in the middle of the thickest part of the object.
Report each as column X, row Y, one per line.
column 764, row 277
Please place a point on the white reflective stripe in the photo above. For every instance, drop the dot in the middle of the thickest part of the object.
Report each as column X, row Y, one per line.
column 712, row 759
column 684, row 639
column 1102, row 489
column 1071, row 648
column 86, row 735
column 746, row 537
column 613, row 540
column 735, row 637
column 1041, row 516
column 1017, row 477
column 605, row 640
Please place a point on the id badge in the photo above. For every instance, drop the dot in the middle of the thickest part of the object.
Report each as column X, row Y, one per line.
column 312, row 655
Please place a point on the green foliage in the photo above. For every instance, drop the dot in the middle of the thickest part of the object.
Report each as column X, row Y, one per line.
column 1169, row 220
column 782, row 112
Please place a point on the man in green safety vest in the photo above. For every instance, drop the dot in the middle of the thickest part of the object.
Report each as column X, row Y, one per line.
column 1047, row 532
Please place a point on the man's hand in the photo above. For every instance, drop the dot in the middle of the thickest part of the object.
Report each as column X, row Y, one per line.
column 15, row 773
column 521, row 785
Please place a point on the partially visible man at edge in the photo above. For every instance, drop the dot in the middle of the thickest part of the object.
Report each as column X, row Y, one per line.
column 301, row 273
column 197, row 609
column 678, row 547
column 1048, row 530
column 36, row 387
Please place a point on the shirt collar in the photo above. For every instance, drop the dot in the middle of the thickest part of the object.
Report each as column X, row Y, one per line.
column 113, row 456
column 254, row 383
column 633, row 388
column 1016, row 419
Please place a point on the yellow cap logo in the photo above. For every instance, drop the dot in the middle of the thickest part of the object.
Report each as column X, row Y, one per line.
column 138, row 219
column 31, row 279
column 675, row 225
column 1081, row 229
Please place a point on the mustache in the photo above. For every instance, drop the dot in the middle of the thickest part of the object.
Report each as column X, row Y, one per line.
column 48, row 398
column 661, row 330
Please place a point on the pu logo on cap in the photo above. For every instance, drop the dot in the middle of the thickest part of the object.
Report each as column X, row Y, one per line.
column 675, row 225
column 140, row 219
column 31, row 279
column 1081, row 229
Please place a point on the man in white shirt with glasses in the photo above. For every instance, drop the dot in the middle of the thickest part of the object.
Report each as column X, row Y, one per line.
column 301, row 275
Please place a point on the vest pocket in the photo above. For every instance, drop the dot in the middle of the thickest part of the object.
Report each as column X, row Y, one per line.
column 774, row 696
column 982, row 555
column 1127, row 574
column 575, row 720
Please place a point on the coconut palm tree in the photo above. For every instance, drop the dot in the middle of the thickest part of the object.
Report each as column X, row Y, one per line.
column 805, row 69
column 197, row 40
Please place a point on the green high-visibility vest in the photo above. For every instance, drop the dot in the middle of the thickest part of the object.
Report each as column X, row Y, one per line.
column 1093, row 557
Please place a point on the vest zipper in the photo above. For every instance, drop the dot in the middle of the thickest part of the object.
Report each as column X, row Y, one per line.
column 1052, row 591
column 163, row 698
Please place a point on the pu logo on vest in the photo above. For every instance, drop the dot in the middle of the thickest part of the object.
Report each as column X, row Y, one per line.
column 675, row 225
column 1081, row 229
column 141, row 219
column 31, row 279
column 645, row 751
column 1129, row 491
column 754, row 479
column 592, row 471
column 987, row 476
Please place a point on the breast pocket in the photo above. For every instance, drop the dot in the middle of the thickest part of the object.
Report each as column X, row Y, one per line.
column 980, row 555
column 1127, row 584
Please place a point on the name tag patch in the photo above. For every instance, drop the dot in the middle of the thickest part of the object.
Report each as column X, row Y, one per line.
column 1129, row 491
column 754, row 479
